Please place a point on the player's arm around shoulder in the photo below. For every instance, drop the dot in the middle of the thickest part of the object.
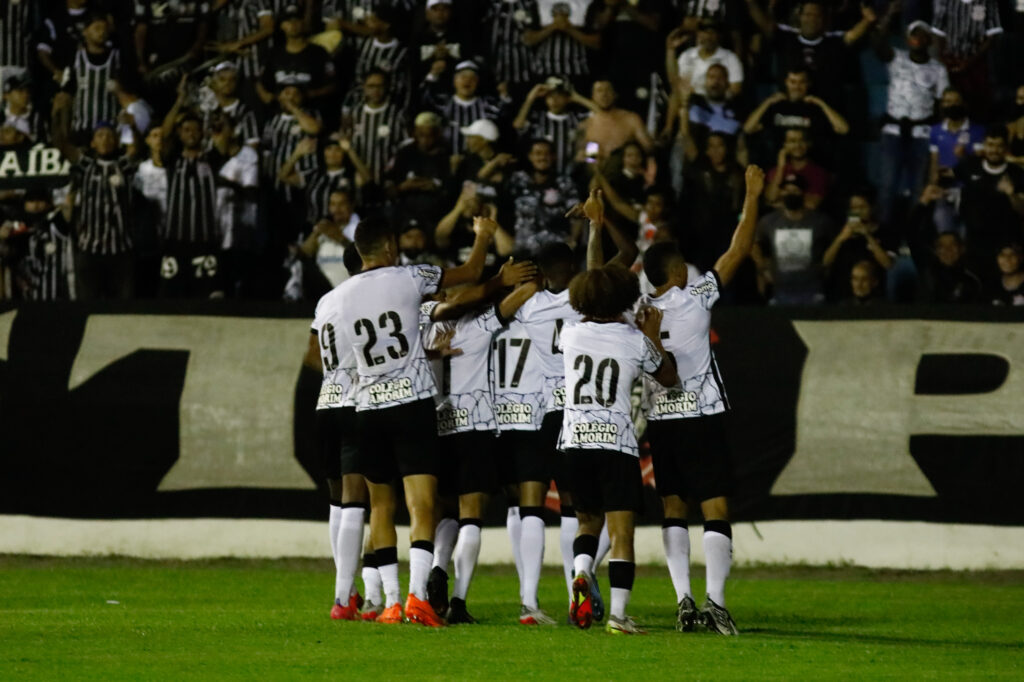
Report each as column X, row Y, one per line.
column 470, row 271
column 657, row 362
column 743, row 237
column 511, row 274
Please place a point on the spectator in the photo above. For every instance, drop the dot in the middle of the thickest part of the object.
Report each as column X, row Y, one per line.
column 481, row 164
column 243, row 32
column 731, row 15
column 16, row 28
column 861, row 239
column 438, row 46
column 790, row 244
column 421, row 172
column 297, row 62
column 1010, row 287
column 95, row 64
column 692, row 65
column 60, row 35
column 954, row 138
column 713, row 197
column 454, row 234
column 465, row 106
column 809, row 45
column 864, row 284
column 166, row 33
column 376, row 125
column 330, row 174
column 915, row 82
column 281, row 134
column 237, row 209
column 946, row 277
column 506, row 49
column 992, row 200
column 539, row 200
column 382, row 51
column 609, row 126
column 711, row 112
column 966, row 30
column 37, row 246
column 628, row 29
column 332, row 236
column 18, row 110
column 225, row 102
column 796, row 109
column 135, row 115
column 561, row 33
column 557, row 123
column 1016, row 128
column 101, row 182
column 150, row 211
column 794, row 160
column 413, row 244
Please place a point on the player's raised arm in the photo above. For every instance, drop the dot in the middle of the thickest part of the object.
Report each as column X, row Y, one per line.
column 649, row 322
column 470, row 271
column 510, row 275
column 514, row 301
column 743, row 237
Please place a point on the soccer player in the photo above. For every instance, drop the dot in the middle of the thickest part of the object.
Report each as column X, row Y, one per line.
column 603, row 356
column 335, row 426
column 395, row 413
column 466, row 423
column 685, row 423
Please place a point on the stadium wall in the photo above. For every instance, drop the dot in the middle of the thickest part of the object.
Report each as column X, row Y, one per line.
column 886, row 437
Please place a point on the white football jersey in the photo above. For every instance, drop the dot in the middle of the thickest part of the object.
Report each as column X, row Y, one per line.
column 337, row 357
column 602, row 361
column 685, row 328
column 520, row 402
column 466, row 402
column 382, row 325
column 543, row 317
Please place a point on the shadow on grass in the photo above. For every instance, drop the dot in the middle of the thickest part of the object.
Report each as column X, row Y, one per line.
column 861, row 638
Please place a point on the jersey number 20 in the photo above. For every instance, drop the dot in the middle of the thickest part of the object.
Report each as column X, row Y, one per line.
column 607, row 372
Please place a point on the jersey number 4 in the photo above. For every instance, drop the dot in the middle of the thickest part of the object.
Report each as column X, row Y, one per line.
column 524, row 349
column 607, row 371
column 365, row 328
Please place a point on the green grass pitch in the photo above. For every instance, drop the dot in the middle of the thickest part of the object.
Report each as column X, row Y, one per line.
column 104, row 619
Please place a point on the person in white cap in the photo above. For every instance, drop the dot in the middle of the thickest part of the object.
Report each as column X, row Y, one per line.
column 223, row 84
column 481, row 163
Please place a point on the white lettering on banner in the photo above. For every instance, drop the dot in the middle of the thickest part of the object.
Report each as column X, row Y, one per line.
column 857, row 407
column 584, row 434
column 6, row 322
column 237, row 405
column 514, row 413
column 675, row 402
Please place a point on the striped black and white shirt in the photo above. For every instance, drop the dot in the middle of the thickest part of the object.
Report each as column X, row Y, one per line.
column 392, row 57
column 244, row 18
column 46, row 265
column 103, row 217
column 354, row 11
column 460, row 113
column 376, row 134
column 560, row 55
column 14, row 32
column 558, row 129
column 966, row 24
column 280, row 135
column 91, row 76
column 511, row 59
column 191, row 201
column 244, row 118
column 318, row 184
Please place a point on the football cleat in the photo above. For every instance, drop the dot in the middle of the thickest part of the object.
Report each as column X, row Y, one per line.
column 370, row 611
column 717, row 619
column 355, row 601
column 392, row 615
column 530, row 616
column 437, row 589
column 687, row 616
column 339, row 612
column 595, row 595
column 457, row 613
column 623, row 626
column 581, row 610
column 420, row 611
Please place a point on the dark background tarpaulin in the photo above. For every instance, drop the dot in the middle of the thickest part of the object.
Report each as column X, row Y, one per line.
column 101, row 450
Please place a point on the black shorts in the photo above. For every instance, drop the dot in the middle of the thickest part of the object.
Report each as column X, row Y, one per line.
column 691, row 457
column 337, row 441
column 605, row 481
column 467, row 464
column 524, row 456
column 550, row 431
column 190, row 271
column 399, row 441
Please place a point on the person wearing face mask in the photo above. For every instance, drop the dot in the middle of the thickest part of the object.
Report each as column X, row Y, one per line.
column 953, row 139
column 915, row 82
column 412, row 245
column 992, row 199
column 790, row 245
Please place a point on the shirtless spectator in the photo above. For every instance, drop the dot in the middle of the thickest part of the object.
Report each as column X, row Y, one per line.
column 609, row 126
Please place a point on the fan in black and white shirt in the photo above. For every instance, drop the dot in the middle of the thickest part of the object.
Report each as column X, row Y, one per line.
column 382, row 50
column 19, row 113
column 561, row 34
column 226, row 104
column 510, row 58
column 465, row 106
column 375, row 124
column 282, row 133
column 244, row 28
column 557, row 123
column 94, row 65
column 15, row 29
column 37, row 245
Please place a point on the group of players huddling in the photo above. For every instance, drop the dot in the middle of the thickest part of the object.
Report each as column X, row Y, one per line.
column 458, row 388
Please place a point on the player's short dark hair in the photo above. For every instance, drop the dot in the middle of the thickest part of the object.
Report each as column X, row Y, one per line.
column 352, row 260
column 604, row 293
column 372, row 234
column 553, row 254
column 659, row 260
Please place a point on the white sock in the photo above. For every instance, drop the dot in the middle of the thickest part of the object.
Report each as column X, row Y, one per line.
column 718, row 557
column 467, row 551
column 389, row 579
column 419, row 570
column 620, row 600
column 532, row 549
column 566, row 534
column 333, row 526
column 676, row 541
column 350, row 542
column 371, row 584
column 514, row 524
column 444, row 542
column 582, row 563
column 604, row 543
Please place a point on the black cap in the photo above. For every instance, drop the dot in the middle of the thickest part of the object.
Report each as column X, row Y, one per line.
column 386, row 13
column 17, row 81
column 38, row 194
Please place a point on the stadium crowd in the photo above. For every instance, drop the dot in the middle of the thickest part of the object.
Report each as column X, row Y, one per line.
column 228, row 148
